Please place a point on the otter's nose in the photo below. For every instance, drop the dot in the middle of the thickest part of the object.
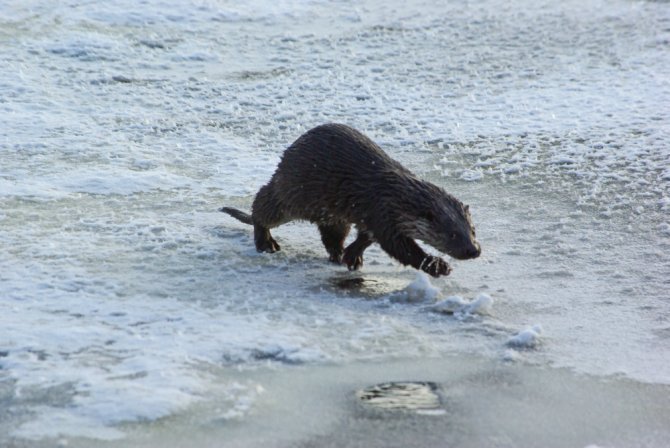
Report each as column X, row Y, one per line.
column 473, row 251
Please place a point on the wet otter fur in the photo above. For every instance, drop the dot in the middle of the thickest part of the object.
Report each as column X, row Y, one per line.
column 334, row 176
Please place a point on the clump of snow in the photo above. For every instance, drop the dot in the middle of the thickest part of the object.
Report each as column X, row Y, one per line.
column 460, row 307
column 528, row 338
column 420, row 290
column 511, row 355
column 481, row 305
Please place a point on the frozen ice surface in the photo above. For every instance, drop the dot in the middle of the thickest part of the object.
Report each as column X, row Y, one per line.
column 131, row 308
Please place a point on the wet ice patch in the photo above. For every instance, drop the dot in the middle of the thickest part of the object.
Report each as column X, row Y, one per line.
column 132, row 361
column 121, row 181
column 54, row 422
column 93, row 181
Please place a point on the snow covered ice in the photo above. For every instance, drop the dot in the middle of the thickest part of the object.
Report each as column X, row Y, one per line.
column 132, row 313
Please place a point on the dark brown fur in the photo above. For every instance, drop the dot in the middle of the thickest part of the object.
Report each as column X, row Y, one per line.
column 334, row 176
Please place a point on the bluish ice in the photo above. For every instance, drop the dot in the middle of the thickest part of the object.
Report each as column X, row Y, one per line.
column 132, row 313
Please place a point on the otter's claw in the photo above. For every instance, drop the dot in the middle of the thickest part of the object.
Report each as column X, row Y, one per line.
column 435, row 266
column 335, row 257
column 354, row 263
column 270, row 246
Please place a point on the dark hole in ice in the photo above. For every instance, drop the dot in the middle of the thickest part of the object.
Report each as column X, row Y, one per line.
column 417, row 396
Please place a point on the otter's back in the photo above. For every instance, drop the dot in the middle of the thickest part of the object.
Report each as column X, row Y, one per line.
column 330, row 168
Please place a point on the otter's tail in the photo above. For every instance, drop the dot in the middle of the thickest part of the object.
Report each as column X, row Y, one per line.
column 237, row 214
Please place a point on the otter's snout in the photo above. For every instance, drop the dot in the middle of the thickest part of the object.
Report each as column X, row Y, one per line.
column 471, row 251
column 474, row 251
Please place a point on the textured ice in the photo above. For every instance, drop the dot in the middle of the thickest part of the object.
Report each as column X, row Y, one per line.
column 125, row 297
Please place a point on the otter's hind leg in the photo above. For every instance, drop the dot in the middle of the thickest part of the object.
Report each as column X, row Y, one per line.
column 353, row 254
column 264, row 241
column 266, row 213
column 332, row 236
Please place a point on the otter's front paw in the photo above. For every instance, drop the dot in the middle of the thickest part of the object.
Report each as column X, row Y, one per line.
column 353, row 261
column 435, row 266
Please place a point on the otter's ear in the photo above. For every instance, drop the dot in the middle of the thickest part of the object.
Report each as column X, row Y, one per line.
column 467, row 209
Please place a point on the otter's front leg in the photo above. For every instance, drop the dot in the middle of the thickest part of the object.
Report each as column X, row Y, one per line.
column 353, row 254
column 406, row 251
column 332, row 236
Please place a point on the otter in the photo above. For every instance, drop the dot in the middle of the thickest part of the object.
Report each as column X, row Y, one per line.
column 334, row 176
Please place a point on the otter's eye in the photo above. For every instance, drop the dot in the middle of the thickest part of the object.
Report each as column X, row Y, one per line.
column 453, row 236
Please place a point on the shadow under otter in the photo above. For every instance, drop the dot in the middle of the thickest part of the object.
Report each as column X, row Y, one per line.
column 334, row 176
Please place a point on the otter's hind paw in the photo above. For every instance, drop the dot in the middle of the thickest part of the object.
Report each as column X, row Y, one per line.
column 264, row 241
column 267, row 245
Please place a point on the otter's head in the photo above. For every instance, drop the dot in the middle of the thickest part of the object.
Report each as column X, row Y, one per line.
column 444, row 222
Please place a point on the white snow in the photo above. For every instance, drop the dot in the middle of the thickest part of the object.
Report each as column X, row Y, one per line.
column 460, row 307
column 482, row 304
column 419, row 290
column 527, row 338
